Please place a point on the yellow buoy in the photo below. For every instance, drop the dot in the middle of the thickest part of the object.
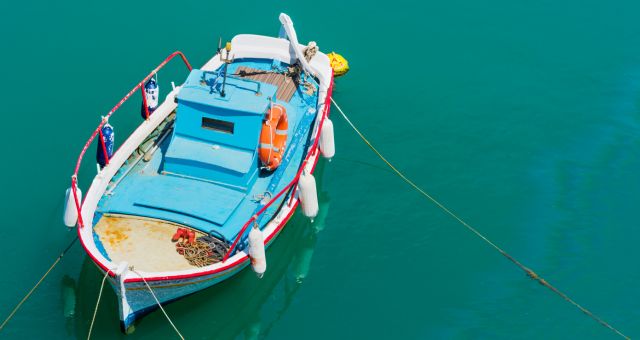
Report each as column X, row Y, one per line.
column 339, row 64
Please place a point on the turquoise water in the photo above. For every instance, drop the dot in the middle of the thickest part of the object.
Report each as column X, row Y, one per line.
column 522, row 118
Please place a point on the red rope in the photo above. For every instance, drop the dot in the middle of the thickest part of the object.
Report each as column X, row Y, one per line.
column 144, row 102
column 74, row 187
column 104, row 148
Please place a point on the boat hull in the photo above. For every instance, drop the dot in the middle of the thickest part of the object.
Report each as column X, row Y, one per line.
column 138, row 300
column 141, row 293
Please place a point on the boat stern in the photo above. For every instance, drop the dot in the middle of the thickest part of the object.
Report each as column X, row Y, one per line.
column 139, row 294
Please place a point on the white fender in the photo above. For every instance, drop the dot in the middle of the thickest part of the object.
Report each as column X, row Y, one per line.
column 327, row 142
column 256, row 251
column 70, row 217
column 152, row 97
column 308, row 195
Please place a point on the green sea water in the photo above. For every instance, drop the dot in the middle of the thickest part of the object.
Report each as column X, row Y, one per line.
column 522, row 117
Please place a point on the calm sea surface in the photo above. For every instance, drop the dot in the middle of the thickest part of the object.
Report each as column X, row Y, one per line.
column 522, row 118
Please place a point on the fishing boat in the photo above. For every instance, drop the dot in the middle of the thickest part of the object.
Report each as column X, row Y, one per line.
column 212, row 174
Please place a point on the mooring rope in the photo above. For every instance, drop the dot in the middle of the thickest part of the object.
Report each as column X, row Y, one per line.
column 95, row 311
column 527, row 270
column 158, row 302
column 55, row 263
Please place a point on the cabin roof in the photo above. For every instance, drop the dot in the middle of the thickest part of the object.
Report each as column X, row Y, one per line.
column 242, row 95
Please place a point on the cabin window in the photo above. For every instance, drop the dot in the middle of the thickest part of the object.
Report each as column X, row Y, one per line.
column 217, row 125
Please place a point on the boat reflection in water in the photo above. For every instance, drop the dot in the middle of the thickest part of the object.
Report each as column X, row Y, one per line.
column 231, row 308
column 302, row 260
column 68, row 296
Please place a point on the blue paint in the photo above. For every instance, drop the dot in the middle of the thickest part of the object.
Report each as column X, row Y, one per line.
column 209, row 179
column 96, row 238
column 176, row 198
column 185, row 184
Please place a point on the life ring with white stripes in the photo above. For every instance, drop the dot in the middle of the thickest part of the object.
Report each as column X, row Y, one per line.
column 273, row 137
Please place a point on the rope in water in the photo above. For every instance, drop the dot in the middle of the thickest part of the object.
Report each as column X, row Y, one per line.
column 158, row 302
column 528, row 271
column 55, row 263
column 95, row 311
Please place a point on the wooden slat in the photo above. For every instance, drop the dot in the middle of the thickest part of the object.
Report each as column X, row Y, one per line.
column 286, row 87
column 271, row 78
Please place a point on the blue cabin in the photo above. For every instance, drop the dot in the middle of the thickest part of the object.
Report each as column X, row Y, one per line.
column 216, row 138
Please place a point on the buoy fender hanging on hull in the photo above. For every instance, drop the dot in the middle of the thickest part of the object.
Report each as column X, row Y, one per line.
column 257, row 252
column 327, row 141
column 308, row 194
column 70, row 216
column 151, row 96
column 106, row 143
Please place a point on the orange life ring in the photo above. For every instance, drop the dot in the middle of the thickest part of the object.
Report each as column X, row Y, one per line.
column 273, row 137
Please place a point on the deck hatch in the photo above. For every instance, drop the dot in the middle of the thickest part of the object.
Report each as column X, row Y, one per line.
column 178, row 199
column 218, row 125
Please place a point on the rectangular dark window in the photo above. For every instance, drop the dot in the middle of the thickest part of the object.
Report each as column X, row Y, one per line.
column 217, row 125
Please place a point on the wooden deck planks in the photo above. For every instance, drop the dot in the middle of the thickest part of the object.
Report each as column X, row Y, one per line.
column 286, row 86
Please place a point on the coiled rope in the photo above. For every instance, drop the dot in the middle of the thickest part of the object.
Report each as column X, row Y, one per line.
column 158, row 302
column 527, row 270
column 205, row 251
column 55, row 263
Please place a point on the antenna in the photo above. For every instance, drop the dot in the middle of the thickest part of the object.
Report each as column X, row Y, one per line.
column 226, row 62
column 219, row 47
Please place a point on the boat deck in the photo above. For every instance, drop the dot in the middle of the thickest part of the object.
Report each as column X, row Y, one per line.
column 144, row 243
column 145, row 189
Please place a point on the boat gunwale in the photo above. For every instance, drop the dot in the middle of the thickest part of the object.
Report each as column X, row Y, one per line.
column 240, row 257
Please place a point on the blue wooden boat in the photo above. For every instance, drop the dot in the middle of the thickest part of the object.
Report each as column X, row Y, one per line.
column 211, row 175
